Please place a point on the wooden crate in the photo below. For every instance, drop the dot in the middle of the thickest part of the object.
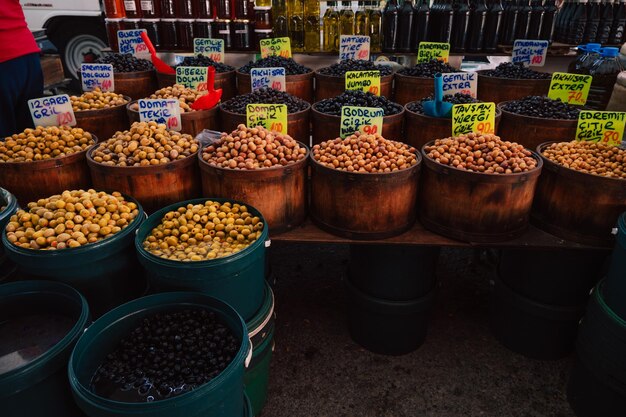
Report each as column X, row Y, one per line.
column 52, row 70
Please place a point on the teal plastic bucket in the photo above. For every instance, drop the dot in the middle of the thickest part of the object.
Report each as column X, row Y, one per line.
column 615, row 285
column 221, row 397
column 238, row 279
column 9, row 202
column 261, row 331
column 40, row 387
column 106, row 272
column 247, row 412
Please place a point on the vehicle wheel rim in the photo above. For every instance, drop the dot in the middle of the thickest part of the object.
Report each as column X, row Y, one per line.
column 80, row 46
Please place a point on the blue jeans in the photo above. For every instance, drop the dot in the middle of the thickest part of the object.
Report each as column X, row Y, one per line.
column 21, row 79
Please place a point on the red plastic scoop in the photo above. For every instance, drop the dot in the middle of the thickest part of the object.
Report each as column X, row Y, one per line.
column 160, row 66
column 212, row 97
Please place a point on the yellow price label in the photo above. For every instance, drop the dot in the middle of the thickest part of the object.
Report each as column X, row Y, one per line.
column 366, row 81
column 570, row 88
column 473, row 118
column 605, row 127
column 433, row 50
column 270, row 116
column 192, row 77
column 367, row 120
column 275, row 46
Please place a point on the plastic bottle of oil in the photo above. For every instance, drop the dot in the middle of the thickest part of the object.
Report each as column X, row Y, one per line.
column 281, row 23
column 312, row 25
column 295, row 14
column 362, row 21
column 331, row 28
column 375, row 18
column 346, row 19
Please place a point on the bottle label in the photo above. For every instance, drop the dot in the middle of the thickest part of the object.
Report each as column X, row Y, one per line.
column 368, row 120
column 366, row 81
column 130, row 42
column 570, row 88
column 192, row 77
column 97, row 75
column 275, row 78
column 460, row 82
column 473, row 118
column 130, row 6
column 530, row 53
column 433, row 50
column 163, row 111
column 271, row 116
column 212, row 48
column 354, row 47
column 52, row 111
column 604, row 127
column 275, row 46
column 146, row 6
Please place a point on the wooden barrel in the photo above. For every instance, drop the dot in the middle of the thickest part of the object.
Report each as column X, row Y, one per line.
column 363, row 206
column 329, row 86
column 409, row 88
column 299, row 85
column 193, row 122
column 224, row 80
column 298, row 126
column 279, row 193
column 473, row 206
column 580, row 207
column 420, row 129
column 30, row 181
column 497, row 90
column 326, row 126
column 533, row 131
column 154, row 186
column 103, row 122
column 135, row 85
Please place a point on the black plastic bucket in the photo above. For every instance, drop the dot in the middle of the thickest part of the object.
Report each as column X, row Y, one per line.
column 615, row 285
column 597, row 385
column 385, row 326
column 39, row 387
column 9, row 202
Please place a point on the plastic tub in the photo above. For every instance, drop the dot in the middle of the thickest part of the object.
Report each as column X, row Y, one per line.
column 40, row 387
column 615, row 285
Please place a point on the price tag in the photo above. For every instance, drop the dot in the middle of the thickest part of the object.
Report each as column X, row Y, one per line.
column 275, row 46
column 570, row 88
column 605, row 127
column 361, row 119
column 530, row 52
column 473, row 117
column 192, row 77
column 165, row 111
column 52, row 111
column 460, row 82
column 212, row 48
column 130, row 42
column 354, row 47
column 367, row 81
column 275, row 78
column 97, row 75
column 433, row 50
column 270, row 116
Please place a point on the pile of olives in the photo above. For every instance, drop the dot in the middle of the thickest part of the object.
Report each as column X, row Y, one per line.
column 458, row 98
column 265, row 96
column 588, row 157
column 44, row 143
column 339, row 69
column 97, row 99
column 428, row 69
column 356, row 98
column 125, row 63
column 518, row 71
column 542, row 107
column 274, row 61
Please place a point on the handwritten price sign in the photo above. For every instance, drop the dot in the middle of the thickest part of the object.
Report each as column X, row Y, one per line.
column 275, row 78
column 601, row 126
column 367, row 81
column 275, row 46
column 52, row 111
column 354, row 47
column 367, row 120
column 474, row 117
column 433, row 50
column 163, row 111
column 212, row 48
column 270, row 116
column 570, row 88
column 460, row 82
column 192, row 77
column 97, row 75
column 530, row 52
column 130, row 42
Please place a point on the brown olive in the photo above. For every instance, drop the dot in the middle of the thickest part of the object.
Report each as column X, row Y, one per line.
column 96, row 99
column 44, row 143
column 590, row 158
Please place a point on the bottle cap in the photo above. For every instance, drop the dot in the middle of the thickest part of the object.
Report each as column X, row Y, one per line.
column 582, row 48
column 593, row 46
column 610, row 52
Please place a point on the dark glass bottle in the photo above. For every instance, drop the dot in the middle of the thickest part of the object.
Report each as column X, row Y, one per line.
column 493, row 22
column 509, row 22
column 460, row 23
column 523, row 19
column 184, row 9
column 549, row 21
column 442, row 15
column 562, row 19
column 406, row 21
column 577, row 23
column 281, row 23
column 619, row 23
column 536, row 19
column 422, row 17
column 593, row 21
column 606, row 22
column 478, row 18
column 391, row 18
